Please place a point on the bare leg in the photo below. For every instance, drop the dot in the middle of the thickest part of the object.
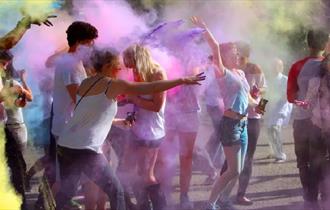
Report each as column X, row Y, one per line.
column 233, row 154
column 186, row 142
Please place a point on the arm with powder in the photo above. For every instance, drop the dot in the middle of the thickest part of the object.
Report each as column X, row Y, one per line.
column 9, row 40
column 214, row 45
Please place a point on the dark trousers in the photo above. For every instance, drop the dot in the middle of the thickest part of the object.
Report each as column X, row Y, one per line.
column 16, row 164
column 253, row 135
column 74, row 162
column 310, row 151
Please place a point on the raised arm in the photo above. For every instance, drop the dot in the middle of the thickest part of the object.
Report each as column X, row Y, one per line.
column 140, row 88
column 26, row 89
column 214, row 45
column 12, row 38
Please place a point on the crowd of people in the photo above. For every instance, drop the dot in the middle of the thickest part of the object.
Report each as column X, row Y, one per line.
column 223, row 116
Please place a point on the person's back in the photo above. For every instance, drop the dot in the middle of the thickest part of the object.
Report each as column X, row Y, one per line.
column 68, row 70
column 310, row 70
column 307, row 136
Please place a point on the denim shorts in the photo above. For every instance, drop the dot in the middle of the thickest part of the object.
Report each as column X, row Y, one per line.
column 233, row 131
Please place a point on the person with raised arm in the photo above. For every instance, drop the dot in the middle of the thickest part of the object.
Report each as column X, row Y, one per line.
column 233, row 129
column 79, row 145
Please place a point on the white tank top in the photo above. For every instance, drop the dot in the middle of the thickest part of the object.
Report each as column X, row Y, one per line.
column 90, row 124
column 149, row 125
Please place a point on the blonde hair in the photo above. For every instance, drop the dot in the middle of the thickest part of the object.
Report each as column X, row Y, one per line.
column 145, row 65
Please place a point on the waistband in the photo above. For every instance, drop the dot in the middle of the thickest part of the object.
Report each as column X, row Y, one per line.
column 14, row 124
column 234, row 115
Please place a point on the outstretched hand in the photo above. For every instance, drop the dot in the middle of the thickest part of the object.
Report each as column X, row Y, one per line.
column 198, row 22
column 303, row 104
column 42, row 20
column 194, row 80
column 22, row 74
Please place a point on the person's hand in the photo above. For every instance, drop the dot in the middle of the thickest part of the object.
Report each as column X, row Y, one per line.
column 258, row 109
column 43, row 19
column 303, row 104
column 128, row 123
column 16, row 89
column 20, row 101
column 198, row 22
column 22, row 74
column 194, row 80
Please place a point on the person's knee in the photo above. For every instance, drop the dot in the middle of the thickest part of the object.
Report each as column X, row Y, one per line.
column 233, row 173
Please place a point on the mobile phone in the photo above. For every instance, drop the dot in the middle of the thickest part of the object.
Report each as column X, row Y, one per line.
column 262, row 104
column 130, row 117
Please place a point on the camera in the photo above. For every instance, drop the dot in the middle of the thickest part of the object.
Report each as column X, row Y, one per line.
column 131, row 117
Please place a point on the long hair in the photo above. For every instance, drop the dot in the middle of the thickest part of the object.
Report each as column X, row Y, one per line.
column 139, row 56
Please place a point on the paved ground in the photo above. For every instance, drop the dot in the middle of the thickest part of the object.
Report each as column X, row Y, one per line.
column 273, row 186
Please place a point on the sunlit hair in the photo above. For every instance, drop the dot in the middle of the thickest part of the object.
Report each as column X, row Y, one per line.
column 225, row 48
column 140, row 57
column 101, row 57
column 243, row 48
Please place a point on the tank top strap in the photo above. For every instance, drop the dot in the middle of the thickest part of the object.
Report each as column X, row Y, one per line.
column 106, row 91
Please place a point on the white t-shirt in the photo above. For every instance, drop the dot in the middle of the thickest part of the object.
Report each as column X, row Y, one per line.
column 68, row 70
column 150, row 125
column 14, row 114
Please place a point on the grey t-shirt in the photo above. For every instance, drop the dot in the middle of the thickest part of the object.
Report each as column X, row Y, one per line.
column 68, row 70
column 310, row 70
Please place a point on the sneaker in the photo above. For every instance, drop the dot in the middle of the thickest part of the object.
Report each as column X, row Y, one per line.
column 185, row 203
column 211, row 206
column 226, row 205
column 244, row 201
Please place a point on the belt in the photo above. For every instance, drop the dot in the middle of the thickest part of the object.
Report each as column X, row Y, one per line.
column 14, row 124
column 234, row 115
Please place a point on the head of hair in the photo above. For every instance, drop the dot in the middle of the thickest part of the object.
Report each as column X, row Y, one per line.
column 101, row 57
column 140, row 58
column 243, row 48
column 225, row 48
column 317, row 39
column 80, row 31
column 324, row 65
